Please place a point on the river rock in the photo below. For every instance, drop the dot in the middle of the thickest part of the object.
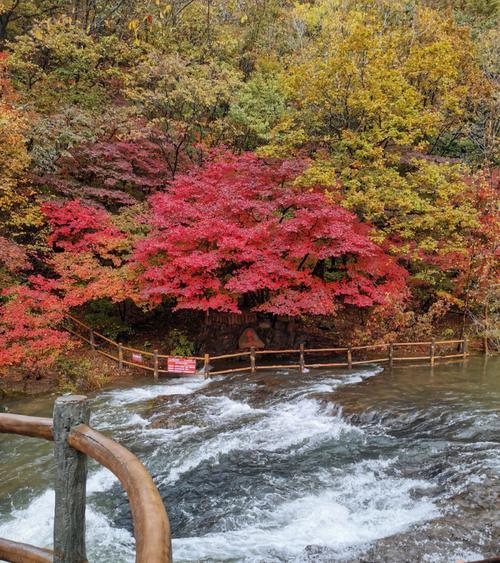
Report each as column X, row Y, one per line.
column 173, row 411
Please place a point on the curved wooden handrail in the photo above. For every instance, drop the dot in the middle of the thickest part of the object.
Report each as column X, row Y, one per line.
column 151, row 525
column 16, row 552
column 33, row 426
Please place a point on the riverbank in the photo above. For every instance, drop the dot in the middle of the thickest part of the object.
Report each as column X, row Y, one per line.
column 81, row 371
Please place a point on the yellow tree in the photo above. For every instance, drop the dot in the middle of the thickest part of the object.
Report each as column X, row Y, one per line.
column 18, row 211
column 371, row 95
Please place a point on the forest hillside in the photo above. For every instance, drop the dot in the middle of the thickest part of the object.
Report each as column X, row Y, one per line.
column 333, row 162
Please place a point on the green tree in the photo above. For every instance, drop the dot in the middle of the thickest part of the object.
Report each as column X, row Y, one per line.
column 57, row 64
column 188, row 101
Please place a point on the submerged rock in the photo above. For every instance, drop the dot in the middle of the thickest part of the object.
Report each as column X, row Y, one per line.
column 174, row 411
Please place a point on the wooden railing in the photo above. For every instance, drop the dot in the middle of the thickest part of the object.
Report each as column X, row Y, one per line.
column 74, row 440
column 347, row 356
column 154, row 361
column 336, row 354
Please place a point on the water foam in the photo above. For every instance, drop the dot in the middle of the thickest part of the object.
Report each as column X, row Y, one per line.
column 222, row 409
column 183, row 386
column 103, row 539
column 350, row 510
column 300, row 424
column 328, row 384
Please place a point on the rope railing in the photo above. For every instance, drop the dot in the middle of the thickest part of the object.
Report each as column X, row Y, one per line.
column 158, row 364
column 74, row 441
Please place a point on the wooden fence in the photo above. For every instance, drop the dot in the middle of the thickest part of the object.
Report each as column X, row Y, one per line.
column 73, row 442
column 156, row 363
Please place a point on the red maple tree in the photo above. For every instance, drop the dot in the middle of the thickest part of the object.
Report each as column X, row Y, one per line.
column 89, row 262
column 91, row 258
column 29, row 326
column 238, row 234
column 113, row 172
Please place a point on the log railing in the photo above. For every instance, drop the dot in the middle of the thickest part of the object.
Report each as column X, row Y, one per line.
column 291, row 358
column 346, row 356
column 74, row 441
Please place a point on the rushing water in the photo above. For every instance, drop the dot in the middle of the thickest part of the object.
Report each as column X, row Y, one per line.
column 369, row 465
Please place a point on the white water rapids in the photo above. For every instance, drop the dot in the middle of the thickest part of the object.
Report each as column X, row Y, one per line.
column 280, row 479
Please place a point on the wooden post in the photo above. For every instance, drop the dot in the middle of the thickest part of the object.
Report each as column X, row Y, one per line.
column 155, row 364
column 391, row 354
column 465, row 346
column 486, row 349
column 70, row 482
column 432, row 351
column 206, row 364
column 349, row 357
column 252, row 360
column 485, row 333
column 120, row 356
column 92, row 338
column 302, row 361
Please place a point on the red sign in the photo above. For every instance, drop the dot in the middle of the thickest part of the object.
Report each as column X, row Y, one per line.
column 250, row 339
column 181, row 365
column 137, row 358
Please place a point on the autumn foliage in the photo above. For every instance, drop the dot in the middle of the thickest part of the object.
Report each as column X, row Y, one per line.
column 113, row 173
column 239, row 234
column 31, row 334
column 328, row 159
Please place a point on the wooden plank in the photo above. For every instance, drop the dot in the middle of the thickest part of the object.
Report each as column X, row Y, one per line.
column 450, row 356
column 236, row 355
column 167, row 356
column 155, row 365
column 77, row 335
column 374, row 360
column 264, row 352
column 283, row 366
column 224, row 371
column 370, row 347
column 426, row 343
column 412, row 358
column 105, row 338
column 77, row 321
column 92, row 339
column 326, row 365
column 137, row 351
column 70, row 481
column 325, row 350
column 110, row 356
column 141, row 366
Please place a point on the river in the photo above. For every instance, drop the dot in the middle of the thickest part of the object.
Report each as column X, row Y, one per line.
column 367, row 465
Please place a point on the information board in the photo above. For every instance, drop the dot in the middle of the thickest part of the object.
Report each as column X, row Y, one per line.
column 181, row 365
